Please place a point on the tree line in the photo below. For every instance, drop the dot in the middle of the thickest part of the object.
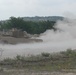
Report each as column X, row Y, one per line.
column 28, row 26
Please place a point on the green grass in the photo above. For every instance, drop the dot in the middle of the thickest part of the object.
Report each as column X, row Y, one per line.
column 44, row 61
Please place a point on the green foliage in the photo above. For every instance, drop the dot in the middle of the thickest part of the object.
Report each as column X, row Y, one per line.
column 69, row 53
column 18, row 57
column 45, row 54
column 28, row 26
column 57, row 61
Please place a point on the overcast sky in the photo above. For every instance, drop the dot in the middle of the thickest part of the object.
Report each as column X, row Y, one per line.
column 23, row 8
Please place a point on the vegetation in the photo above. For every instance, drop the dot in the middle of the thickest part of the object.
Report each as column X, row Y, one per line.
column 44, row 61
column 28, row 26
column 38, row 18
column 45, row 54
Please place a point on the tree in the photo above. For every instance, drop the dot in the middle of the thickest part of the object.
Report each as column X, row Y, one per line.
column 32, row 27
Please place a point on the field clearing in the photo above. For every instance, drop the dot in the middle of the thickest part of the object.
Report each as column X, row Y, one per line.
column 62, row 63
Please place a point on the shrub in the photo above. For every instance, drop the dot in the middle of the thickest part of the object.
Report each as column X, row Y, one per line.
column 45, row 54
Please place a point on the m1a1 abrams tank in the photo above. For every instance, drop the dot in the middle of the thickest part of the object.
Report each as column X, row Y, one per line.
column 17, row 36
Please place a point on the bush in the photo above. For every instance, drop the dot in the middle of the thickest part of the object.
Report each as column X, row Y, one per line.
column 45, row 54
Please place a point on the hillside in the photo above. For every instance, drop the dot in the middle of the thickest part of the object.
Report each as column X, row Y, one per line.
column 38, row 18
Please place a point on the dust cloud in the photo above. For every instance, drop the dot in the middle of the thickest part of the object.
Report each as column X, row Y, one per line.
column 53, row 41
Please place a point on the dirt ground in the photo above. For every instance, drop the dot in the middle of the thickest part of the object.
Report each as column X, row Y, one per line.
column 34, row 73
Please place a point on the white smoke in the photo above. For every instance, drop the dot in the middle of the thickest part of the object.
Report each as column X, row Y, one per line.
column 65, row 31
column 53, row 41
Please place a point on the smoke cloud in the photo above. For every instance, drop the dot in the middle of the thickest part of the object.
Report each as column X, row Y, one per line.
column 65, row 31
column 53, row 41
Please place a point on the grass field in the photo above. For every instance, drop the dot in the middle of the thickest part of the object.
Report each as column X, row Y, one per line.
column 42, row 64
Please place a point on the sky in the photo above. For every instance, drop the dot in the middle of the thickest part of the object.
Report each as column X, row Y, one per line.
column 23, row 8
